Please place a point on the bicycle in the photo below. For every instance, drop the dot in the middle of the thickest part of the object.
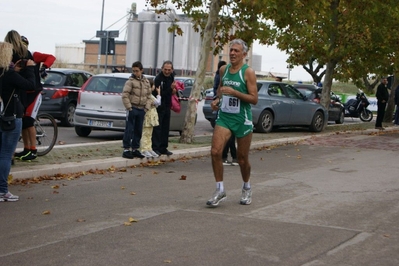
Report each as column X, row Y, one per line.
column 46, row 133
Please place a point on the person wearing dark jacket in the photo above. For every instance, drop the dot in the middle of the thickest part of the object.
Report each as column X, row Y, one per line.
column 382, row 96
column 396, row 121
column 11, row 86
column 160, row 135
column 30, row 99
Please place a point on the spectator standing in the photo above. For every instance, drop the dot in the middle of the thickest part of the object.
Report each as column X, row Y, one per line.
column 382, row 96
column 396, row 121
column 150, row 121
column 136, row 97
column 237, row 91
column 160, row 135
column 30, row 99
column 11, row 84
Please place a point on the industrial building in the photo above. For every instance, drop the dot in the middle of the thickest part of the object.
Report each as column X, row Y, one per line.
column 149, row 41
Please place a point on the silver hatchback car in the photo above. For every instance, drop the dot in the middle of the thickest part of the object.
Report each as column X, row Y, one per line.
column 100, row 105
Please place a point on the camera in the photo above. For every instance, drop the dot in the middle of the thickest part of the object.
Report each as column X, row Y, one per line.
column 22, row 63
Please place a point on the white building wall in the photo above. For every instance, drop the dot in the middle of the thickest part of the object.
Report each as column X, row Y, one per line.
column 70, row 53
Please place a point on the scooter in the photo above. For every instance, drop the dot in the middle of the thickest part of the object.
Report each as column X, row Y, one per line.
column 358, row 107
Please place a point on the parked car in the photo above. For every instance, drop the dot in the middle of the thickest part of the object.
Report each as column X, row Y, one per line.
column 188, row 86
column 336, row 110
column 100, row 105
column 60, row 93
column 279, row 104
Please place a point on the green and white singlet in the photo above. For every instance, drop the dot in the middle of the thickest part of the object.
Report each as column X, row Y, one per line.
column 235, row 114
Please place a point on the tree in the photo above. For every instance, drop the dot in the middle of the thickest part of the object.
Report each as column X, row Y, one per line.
column 341, row 35
column 219, row 21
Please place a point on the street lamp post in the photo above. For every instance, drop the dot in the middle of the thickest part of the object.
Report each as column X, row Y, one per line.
column 99, row 43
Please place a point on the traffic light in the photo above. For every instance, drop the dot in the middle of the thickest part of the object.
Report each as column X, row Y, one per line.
column 110, row 46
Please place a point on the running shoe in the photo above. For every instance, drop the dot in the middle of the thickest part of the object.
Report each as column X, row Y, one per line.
column 8, row 197
column 22, row 153
column 234, row 162
column 246, row 196
column 127, row 154
column 153, row 153
column 30, row 156
column 217, row 197
column 225, row 162
column 137, row 154
column 147, row 154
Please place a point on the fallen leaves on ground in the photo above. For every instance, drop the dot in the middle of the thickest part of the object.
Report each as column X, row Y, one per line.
column 183, row 177
column 46, row 212
column 129, row 223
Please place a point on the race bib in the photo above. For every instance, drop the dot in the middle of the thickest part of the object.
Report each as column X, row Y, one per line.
column 230, row 104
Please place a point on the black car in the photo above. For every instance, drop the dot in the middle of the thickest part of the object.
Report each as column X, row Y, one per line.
column 336, row 111
column 60, row 93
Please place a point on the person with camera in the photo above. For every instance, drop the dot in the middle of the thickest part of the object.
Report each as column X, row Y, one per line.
column 160, row 135
column 11, row 86
column 30, row 99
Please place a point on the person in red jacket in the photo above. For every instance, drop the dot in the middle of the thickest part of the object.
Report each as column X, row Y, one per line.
column 31, row 99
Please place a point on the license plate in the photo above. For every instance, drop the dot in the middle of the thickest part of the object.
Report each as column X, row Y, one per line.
column 96, row 123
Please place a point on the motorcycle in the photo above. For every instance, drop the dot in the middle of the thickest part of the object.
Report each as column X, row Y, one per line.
column 358, row 107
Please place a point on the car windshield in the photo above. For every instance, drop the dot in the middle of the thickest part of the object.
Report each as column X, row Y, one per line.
column 53, row 79
column 106, row 84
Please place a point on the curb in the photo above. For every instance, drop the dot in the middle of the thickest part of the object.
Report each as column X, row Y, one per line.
column 119, row 162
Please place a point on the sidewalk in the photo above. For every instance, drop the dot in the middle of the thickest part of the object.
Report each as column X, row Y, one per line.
column 69, row 159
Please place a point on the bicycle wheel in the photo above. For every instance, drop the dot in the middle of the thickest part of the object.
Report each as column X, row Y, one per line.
column 46, row 133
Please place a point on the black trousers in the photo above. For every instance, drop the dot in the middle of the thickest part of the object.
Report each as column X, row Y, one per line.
column 380, row 113
column 230, row 145
column 160, row 134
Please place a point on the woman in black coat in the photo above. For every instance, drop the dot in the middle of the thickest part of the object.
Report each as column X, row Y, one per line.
column 11, row 84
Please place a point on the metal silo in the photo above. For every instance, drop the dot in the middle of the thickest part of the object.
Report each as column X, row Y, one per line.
column 146, row 15
column 133, row 42
column 194, row 50
column 181, row 48
column 149, row 44
column 165, row 44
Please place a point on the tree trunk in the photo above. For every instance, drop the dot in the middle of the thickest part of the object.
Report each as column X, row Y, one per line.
column 188, row 131
column 390, row 111
column 328, row 78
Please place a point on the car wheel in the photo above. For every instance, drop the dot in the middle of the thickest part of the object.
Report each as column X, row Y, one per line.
column 68, row 120
column 341, row 118
column 317, row 122
column 265, row 122
column 82, row 131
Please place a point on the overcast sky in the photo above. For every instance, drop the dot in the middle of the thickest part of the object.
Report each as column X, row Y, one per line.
column 47, row 23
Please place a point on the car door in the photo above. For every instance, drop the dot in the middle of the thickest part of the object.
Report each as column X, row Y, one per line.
column 302, row 110
column 280, row 104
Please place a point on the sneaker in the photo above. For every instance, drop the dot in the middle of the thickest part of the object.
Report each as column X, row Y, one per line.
column 217, row 197
column 157, row 152
column 127, row 154
column 225, row 162
column 166, row 152
column 234, row 162
column 246, row 197
column 154, row 154
column 147, row 154
column 137, row 154
column 8, row 197
column 30, row 156
column 22, row 153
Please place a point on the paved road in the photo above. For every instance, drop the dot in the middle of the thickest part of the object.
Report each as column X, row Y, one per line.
column 324, row 201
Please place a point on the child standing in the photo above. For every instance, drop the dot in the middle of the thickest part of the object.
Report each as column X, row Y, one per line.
column 150, row 121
